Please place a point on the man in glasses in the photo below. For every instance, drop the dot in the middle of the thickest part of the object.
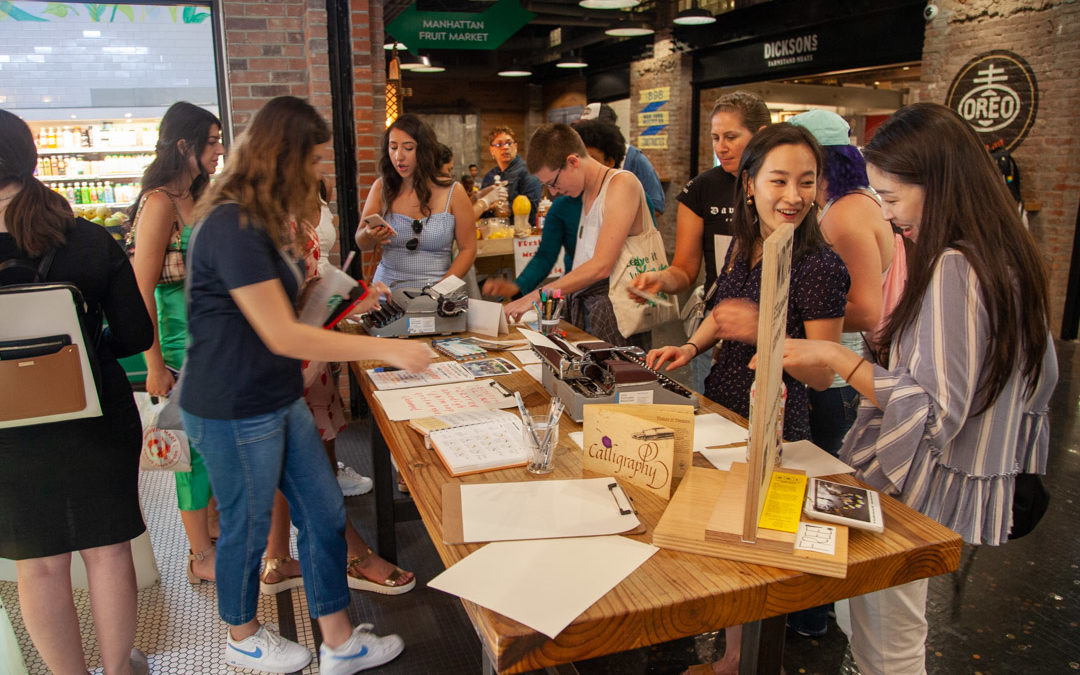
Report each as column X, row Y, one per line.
column 511, row 170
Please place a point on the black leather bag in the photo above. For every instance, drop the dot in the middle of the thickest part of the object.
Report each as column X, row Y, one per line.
column 1030, row 500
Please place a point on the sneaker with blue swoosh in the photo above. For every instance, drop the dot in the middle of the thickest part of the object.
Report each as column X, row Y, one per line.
column 267, row 651
column 361, row 651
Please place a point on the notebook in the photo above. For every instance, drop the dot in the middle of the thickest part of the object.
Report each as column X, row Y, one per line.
column 472, row 442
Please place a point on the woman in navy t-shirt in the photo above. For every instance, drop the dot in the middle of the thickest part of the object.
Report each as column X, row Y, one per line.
column 242, row 394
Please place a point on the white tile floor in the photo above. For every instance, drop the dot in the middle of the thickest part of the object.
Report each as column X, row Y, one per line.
column 179, row 629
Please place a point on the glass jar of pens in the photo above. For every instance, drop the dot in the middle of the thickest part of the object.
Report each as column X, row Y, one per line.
column 549, row 311
column 540, row 433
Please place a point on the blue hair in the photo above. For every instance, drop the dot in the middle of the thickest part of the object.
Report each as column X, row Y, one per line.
column 845, row 170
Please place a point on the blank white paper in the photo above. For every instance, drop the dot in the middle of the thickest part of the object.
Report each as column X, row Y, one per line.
column 547, row 583
column 712, row 429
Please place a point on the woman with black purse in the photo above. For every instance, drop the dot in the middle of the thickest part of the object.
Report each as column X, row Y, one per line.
column 73, row 485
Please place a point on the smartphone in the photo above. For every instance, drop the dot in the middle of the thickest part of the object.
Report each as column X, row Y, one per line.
column 375, row 221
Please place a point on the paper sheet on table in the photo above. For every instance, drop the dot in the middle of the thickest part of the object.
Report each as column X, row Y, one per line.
column 442, row 399
column 535, row 371
column 542, row 340
column 802, row 455
column 542, row 510
column 486, row 318
column 525, row 356
column 546, row 583
column 713, row 429
column 577, row 437
column 448, row 285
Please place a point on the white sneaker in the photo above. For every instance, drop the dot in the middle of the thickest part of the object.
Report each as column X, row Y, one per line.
column 266, row 650
column 352, row 483
column 361, row 651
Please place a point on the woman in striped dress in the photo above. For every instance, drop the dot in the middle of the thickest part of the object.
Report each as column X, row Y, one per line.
column 954, row 405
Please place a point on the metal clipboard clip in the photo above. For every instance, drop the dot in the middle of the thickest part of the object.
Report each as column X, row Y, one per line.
column 621, row 498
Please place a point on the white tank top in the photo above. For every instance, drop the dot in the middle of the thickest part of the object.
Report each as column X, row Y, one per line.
column 589, row 225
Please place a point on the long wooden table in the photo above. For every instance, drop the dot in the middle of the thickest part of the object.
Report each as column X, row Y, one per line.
column 674, row 594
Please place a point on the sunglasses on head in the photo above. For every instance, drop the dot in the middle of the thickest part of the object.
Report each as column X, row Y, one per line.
column 417, row 228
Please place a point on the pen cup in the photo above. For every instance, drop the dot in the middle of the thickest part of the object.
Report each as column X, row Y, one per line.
column 549, row 326
column 541, row 453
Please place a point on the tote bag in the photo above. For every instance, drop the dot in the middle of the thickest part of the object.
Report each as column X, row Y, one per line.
column 639, row 254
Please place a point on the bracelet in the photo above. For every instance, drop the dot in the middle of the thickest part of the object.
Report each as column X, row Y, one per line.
column 857, row 365
column 697, row 351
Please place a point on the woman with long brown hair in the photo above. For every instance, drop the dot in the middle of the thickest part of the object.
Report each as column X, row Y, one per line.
column 427, row 212
column 244, row 281
column 73, row 485
column 188, row 148
column 954, row 402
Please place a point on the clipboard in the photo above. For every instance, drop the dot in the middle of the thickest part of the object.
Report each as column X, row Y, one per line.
column 548, row 509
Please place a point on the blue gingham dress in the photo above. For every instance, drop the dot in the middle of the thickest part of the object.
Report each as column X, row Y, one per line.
column 431, row 259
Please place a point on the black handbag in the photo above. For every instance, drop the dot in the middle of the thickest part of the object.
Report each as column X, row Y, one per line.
column 1030, row 500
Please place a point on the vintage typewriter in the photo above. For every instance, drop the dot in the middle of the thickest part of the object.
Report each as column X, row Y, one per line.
column 428, row 311
column 598, row 372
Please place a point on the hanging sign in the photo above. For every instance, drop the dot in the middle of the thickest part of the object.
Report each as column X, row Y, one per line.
column 651, row 120
column 997, row 94
column 459, row 30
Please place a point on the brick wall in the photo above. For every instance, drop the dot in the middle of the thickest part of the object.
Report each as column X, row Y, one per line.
column 1046, row 33
column 666, row 69
column 280, row 47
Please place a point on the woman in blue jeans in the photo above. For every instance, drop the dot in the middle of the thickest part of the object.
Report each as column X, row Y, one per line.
column 242, row 398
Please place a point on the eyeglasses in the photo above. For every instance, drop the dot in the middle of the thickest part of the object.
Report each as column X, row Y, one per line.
column 417, row 228
column 554, row 184
column 503, row 144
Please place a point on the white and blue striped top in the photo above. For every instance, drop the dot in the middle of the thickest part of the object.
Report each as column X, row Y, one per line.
column 923, row 446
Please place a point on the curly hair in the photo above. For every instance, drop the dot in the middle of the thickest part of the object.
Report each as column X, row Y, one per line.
column 268, row 173
column 845, row 170
column 427, row 163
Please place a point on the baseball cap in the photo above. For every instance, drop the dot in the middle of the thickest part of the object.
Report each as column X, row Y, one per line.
column 827, row 127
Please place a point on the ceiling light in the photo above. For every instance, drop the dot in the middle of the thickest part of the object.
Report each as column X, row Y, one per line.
column 412, row 62
column 515, row 71
column 400, row 46
column 609, row 4
column 630, row 29
column 694, row 16
column 571, row 61
column 428, row 67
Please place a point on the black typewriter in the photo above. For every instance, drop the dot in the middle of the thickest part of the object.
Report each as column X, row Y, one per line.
column 598, row 372
column 412, row 311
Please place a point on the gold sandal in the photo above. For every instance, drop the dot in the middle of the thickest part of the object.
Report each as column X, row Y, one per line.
column 193, row 578
column 273, row 580
column 395, row 584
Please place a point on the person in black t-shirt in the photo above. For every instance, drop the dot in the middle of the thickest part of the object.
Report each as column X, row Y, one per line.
column 242, row 396
column 706, row 203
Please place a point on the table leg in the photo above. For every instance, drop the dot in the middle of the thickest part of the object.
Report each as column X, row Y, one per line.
column 383, row 479
column 763, row 646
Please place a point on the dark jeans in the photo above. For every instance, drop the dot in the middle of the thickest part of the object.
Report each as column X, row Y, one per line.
column 832, row 412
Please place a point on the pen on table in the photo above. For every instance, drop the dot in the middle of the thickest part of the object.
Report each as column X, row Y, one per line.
column 502, row 390
column 385, row 369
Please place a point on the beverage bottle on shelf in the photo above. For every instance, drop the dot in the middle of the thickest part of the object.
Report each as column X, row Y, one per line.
column 541, row 213
column 110, row 194
column 69, row 192
column 42, row 138
column 51, row 142
column 84, row 192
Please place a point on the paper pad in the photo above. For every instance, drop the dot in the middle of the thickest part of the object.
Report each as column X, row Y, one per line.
column 544, row 584
column 533, row 510
column 802, row 455
column 712, row 429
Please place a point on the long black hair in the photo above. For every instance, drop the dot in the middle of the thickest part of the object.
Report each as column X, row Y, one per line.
column 427, row 163
column 744, row 223
column 37, row 218
column 182, row 122
column 967, row 207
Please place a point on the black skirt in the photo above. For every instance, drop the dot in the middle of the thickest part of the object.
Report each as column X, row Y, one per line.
column 73, row 485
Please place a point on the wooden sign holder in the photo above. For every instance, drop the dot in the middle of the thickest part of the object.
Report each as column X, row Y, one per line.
column 716, row 512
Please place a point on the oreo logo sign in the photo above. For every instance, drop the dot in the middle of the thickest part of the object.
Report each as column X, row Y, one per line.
column 996, row 92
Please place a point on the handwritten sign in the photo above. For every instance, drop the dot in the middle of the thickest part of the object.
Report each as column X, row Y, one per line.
column 629, row 448
column 524, row 250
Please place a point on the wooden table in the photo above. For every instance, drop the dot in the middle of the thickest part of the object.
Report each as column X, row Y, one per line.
column 674, row 594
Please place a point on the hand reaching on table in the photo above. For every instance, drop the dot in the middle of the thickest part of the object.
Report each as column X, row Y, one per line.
column 678, row 356
column 409, row 355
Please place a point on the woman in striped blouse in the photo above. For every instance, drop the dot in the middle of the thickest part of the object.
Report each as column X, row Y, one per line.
column 954, row 403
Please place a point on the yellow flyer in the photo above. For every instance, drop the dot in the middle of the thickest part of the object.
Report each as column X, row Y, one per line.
column 783, row 502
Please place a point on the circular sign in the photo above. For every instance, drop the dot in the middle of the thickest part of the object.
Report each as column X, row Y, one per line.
column 997, row 94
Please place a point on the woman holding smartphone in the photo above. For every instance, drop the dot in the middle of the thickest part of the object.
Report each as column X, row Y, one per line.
column 244, row 281
column 414, row 214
